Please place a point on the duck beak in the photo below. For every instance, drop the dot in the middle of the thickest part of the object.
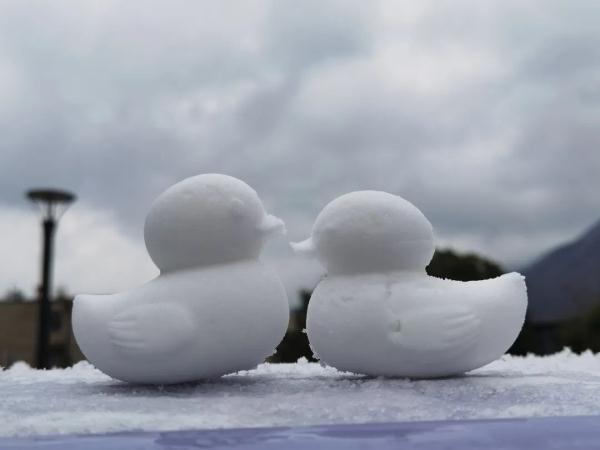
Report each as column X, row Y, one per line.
column 273, row 226
column 305, row 247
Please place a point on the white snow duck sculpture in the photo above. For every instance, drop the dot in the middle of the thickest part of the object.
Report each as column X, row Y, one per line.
column 377, row 312
column 214, row 308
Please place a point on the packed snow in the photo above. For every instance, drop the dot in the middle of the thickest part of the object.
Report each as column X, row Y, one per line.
column 379, row 313
column 214, row 309
column 82, row 399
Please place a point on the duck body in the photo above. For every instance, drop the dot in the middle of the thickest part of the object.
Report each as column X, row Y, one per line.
column 184, row 326
column 377, row 312
column 413, row 325
column 214, row 309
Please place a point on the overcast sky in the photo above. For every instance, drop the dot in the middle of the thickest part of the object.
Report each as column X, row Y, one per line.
column 483, row 114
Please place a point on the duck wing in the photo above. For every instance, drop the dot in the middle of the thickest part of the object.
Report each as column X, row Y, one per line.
column 151, row 329
column 441, row 332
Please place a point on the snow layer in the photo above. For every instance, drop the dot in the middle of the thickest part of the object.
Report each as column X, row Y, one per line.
column 83, row 400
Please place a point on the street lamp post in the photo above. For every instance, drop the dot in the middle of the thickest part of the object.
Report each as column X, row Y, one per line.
column 52, row 203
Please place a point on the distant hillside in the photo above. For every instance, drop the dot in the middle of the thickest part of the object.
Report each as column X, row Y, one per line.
column 565, row 282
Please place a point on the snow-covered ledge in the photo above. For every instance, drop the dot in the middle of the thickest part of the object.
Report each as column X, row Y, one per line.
column 83, row 400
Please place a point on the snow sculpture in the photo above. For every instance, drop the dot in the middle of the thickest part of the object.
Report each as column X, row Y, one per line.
column 379, row 313
column 214, row 309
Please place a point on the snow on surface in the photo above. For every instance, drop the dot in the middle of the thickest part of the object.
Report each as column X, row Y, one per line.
column 83, row 400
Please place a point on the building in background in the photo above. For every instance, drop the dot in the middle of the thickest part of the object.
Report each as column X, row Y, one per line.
column 19, row 328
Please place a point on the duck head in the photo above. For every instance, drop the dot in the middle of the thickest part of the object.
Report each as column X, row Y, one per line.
column 207, row 219
column 370, row 231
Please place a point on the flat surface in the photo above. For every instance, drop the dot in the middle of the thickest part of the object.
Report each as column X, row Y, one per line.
column 522, row 434
column 83, row 400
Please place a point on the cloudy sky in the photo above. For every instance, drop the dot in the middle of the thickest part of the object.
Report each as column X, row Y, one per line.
column 483, row 114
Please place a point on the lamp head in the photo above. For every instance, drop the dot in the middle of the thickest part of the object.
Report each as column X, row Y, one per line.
column 52, row 202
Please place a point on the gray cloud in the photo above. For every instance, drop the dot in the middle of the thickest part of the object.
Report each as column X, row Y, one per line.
column 485, row 116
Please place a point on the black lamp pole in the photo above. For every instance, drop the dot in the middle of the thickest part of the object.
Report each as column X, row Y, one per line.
column 50, row 201
column 49, row 226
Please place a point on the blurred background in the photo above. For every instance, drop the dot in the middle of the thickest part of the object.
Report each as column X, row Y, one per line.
column 483, row 114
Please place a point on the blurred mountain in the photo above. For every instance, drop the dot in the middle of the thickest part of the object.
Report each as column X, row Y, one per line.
column 566, row 282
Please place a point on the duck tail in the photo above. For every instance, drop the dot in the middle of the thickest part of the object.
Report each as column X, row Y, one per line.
column 516, row 281
column 515, row 291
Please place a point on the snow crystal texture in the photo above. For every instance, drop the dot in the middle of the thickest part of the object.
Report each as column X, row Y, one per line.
column 82, row 399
